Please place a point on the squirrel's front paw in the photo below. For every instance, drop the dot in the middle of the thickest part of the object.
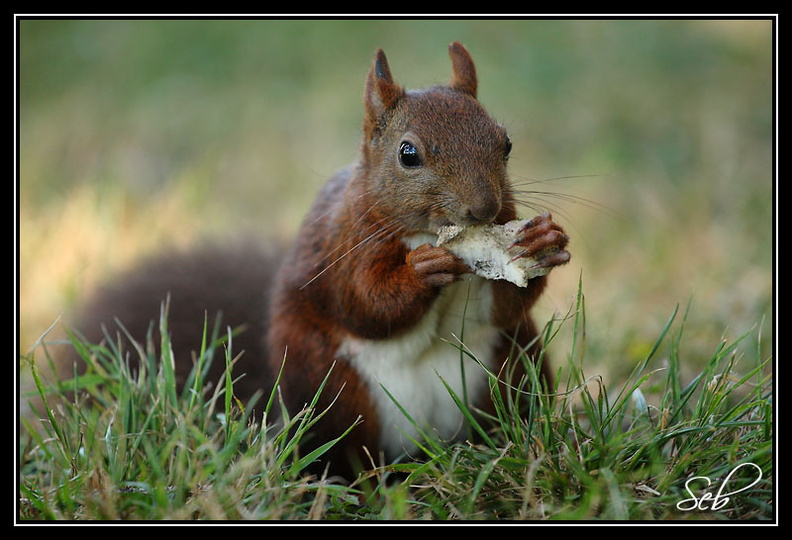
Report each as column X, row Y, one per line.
column 541, row 239
column 436, row 266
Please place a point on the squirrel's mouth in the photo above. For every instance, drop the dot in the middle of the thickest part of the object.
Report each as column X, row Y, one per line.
column 414, row 240
column 461, row 223
column 429, row 234
column 433, row 222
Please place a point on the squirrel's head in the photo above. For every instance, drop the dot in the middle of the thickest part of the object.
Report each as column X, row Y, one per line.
column 434, row 156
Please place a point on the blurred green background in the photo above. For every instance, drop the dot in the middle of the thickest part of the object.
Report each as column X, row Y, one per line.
column 655, row 139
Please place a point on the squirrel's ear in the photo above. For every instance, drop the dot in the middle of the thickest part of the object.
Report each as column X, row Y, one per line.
column 464, row 74
column 381, row 92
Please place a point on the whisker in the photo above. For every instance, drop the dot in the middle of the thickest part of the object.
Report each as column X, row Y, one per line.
column 520, row 193
column 545, row 196
column 357, row 221
column 347, row 252
column 531, row 181
column 332, row 210
column 539, row 202
column 381, row 233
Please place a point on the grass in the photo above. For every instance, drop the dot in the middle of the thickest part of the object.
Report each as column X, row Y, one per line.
column 129, row 446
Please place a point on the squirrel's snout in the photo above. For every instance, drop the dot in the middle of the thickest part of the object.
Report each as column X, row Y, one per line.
column 483, row 210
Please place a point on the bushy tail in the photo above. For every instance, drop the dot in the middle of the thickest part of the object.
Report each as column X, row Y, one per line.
column 229, row 284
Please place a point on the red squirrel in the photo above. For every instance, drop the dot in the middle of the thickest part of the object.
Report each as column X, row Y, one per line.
column 363, row 288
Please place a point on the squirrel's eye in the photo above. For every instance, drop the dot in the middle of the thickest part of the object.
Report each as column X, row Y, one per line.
column 408, row 155
column 507, row 150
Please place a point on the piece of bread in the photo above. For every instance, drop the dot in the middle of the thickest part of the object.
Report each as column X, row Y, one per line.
column 485, row 249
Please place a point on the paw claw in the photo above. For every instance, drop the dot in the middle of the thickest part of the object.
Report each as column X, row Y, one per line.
column 554, row 259
column 542, row 239
column 436, row 266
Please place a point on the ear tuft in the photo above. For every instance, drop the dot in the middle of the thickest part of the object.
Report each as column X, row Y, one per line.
column 381, row 92
column 381, row 67
column 463, row 77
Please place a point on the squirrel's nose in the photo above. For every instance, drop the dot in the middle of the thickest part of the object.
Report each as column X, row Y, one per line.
column 484, row 210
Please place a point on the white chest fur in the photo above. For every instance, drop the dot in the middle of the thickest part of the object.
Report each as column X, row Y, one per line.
column 411, row 366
